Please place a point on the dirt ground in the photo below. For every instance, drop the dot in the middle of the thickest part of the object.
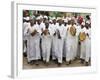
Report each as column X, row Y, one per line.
column 52, row 64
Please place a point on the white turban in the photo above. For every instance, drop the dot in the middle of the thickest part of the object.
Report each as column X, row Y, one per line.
column 26, row 18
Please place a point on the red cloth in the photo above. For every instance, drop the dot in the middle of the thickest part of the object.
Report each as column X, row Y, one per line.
column 80, row 19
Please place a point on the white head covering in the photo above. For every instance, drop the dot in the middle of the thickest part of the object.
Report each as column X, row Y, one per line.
column 69, row 18
column 38, row 18
column 26, row 18
column 88, row 22
column 50, row 20
column 45, row 17
column 58, row 18
column 41, row 16
column 65, row 20
column 83, row 23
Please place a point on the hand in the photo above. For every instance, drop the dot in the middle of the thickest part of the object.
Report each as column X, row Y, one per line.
column 54, row 34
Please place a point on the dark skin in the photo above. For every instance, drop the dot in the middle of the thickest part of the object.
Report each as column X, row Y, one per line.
column 47, row 25
column 46, row 28
column 54, row 21
column 87, row 17
column 58, row 34
column 60, row 22
column 32, row 22
column 38, row 22
column 87, row 27
column 82, row 26
column 69, row 22
column 72, row 22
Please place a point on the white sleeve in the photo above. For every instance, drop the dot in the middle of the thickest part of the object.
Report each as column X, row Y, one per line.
column 43, row 26
column 78, row 30
column 62, row 31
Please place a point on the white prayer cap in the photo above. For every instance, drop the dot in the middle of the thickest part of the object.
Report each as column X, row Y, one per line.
column 65, row 20
column 45, row 17
column 83, row 23
column 50, row 20
column 41, row 16
column 88, row 22
column 58, row 18
column 38, row 18
column 26, row 18
column 73, row 18
column 69, row 18
column 53, row 18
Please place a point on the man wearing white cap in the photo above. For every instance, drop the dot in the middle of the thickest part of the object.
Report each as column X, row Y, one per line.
column 71, row 46
column 83, row 44
column 88, row 44
column 46, row 43
column 26, row 24
column 53, row 27
column 60, row 34
column 40, row 25
column 33, row 44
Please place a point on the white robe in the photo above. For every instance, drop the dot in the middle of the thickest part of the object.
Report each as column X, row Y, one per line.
column 53, row 29
column 25, row 30
column 33, row 46
column 46, row 47
column 70, row 46
column 40, row 27
column 58, row 44
column 83, row 45
column 76, row 48
column 88, row 46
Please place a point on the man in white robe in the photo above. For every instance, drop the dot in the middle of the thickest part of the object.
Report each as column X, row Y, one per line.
column 40, row 26
column 33, row 45
column 71, row 41
column 88, row 45
column 83, row 45
column 60, row 33
column 46, row 44
column 76, row 48
column 26, row 24
column 52, row 29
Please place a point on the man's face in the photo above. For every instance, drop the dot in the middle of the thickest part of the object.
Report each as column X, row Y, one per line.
column 39, row 22
column 87, row 25
column 47, row 24
column 54, row 21
column 72, row 22
column 32, row 22
column 60, row 22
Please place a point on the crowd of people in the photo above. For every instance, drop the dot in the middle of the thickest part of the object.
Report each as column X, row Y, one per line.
column 48, row 39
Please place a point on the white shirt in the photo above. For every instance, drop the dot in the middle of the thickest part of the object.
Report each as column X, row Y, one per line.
column 62, row 30
column 39, row 27
column 83, row 30
column 52, row 29
column 26, row 26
